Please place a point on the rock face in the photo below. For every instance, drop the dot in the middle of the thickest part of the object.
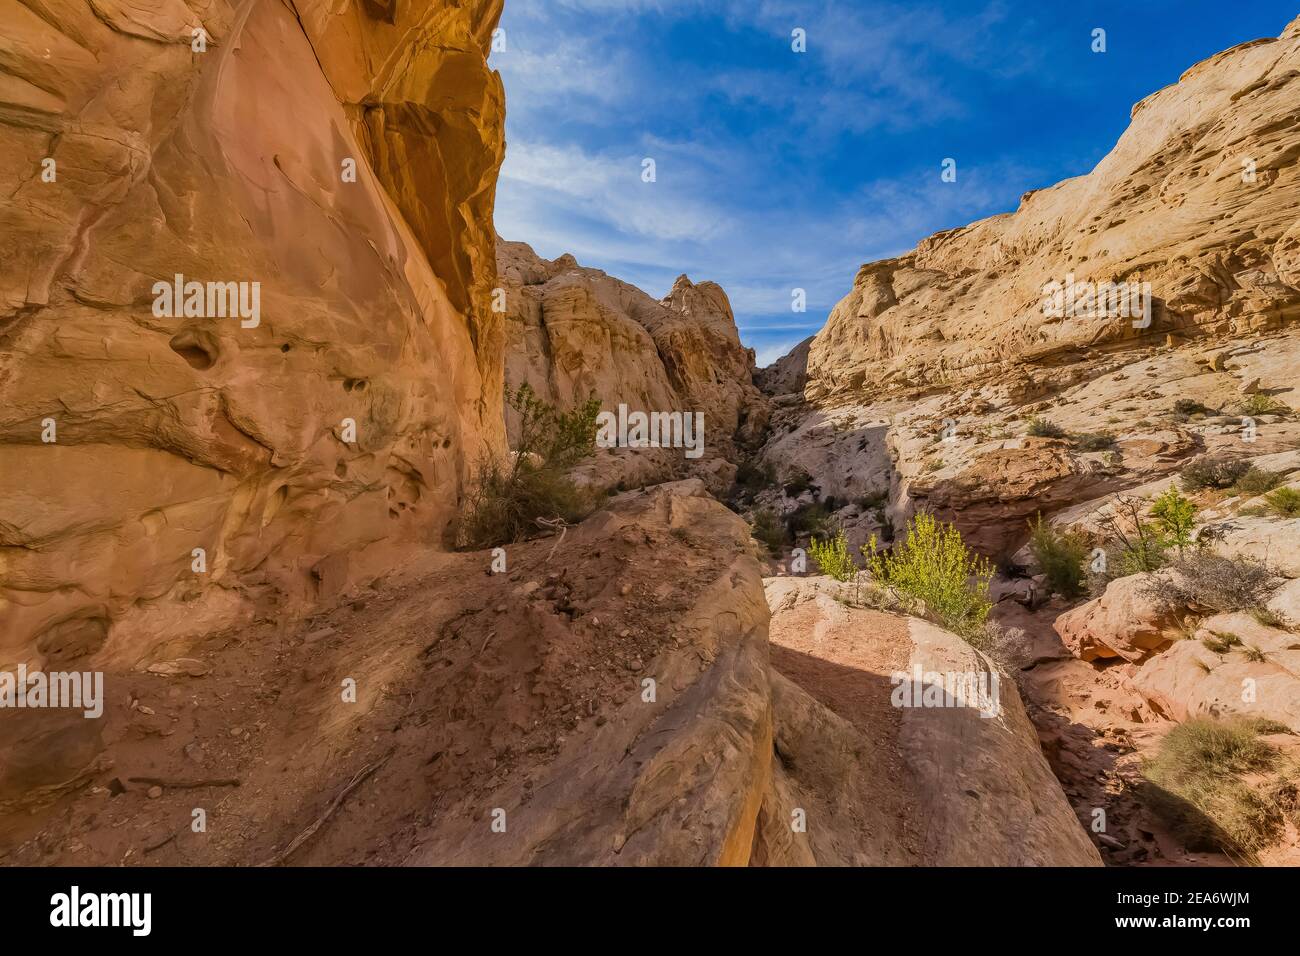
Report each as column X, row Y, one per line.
column 611, row 699
column 885, row 784
column 574, row 332
column 1258, row 676
column 162, row 475
column 1219, row 147
column 1129, row 620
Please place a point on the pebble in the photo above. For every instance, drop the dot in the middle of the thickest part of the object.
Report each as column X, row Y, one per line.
column 155, row 792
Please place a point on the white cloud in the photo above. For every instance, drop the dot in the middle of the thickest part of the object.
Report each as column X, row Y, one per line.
column 768, row 354
column 610, row 189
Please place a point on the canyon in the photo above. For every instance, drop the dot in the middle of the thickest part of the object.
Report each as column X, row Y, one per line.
column 250, row 530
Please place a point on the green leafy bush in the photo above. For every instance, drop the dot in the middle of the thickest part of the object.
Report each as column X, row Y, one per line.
column 933, row 565
column 754, row 477
column 1061, row 555
column 1134, row 544
column 1175, row 517
column 1257, row 481
column 796, row 482
column 1042, row 428
column 811, row 519
column 1284, row 502
column 833, row 557
column 510, row 497
column 769, row 529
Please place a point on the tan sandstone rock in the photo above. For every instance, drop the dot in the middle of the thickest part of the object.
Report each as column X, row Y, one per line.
column 574, row 332
column 969, row 300
column 887, row 784
column 127, row 439
column 1130, row 620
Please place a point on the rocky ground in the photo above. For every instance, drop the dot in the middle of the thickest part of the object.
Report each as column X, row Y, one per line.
column 662, row 683
column 1103, row 679
column 610, row 698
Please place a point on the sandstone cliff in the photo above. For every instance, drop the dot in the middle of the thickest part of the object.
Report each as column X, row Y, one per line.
column 343, row 157
column 1198, row 199
column 573, row 332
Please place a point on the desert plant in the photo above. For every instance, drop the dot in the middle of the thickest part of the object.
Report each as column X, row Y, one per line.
column 768, row 528
column 1205, row 783
column 1262, row 405
column 1136, row 544
column 1061, row 555
column 1220, row 643
column 1219, row 582
column 1257, row 481
column 811, row 519
column 1093, row 441
column 933, row 565
column 796, row 482
column 832, row 556
column 1284, row 503
column 1175, row 517
column 1213, row 473
column 1270, row 618
column 510, row 497
column 754, row 476
column 1040, row 427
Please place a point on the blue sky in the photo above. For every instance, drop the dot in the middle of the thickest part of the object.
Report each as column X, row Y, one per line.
column 778, row 170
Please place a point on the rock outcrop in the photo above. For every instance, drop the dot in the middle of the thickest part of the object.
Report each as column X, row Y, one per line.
column 927, row 778
column 1130, row 620
column 611, row 698
column 1219, row 147
column 574, row 332
column 1256, row 675
column 167, row 471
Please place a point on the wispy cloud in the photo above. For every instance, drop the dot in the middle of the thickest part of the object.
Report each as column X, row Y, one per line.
column 778, row 170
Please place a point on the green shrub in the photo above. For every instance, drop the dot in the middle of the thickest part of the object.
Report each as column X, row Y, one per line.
column 1284, row 503
column 811, row 519
column 1262, row 405
column 796, row 482
column 754, row 477
column 510, row 497
column 1042, row 428
column 1093, row 441
column 833, row 557
column 933, row 565
column 1144, row 554
column 1061, row 555
column 1257, row 481
column 1213, row 473
column 1135, row 544
column 1198, row 784
column 1175, row 517
column 770, row 530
